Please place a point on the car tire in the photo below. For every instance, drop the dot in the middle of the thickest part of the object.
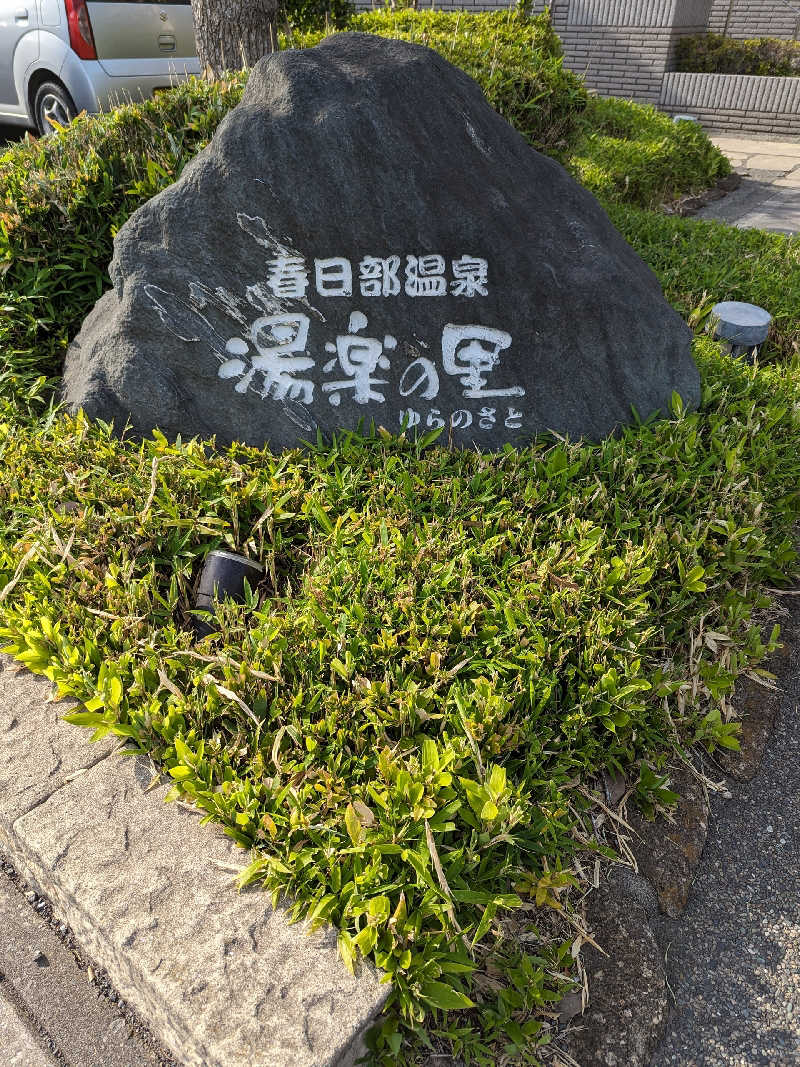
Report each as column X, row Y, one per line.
column 52, row 101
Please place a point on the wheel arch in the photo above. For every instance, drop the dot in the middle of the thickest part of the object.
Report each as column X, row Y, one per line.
column 35, row 82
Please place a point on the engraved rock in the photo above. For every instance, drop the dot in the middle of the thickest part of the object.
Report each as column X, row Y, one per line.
column 366, row 240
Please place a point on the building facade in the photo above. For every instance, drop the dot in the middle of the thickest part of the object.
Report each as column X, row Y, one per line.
column 627, row 48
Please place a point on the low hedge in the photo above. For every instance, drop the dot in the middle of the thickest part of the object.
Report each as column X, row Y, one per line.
column 711, row 53
column 632, row 153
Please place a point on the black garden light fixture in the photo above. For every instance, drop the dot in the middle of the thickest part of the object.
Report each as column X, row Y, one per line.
column 223, row 576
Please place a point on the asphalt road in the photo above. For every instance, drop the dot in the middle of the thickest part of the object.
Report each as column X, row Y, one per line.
column 733, row 959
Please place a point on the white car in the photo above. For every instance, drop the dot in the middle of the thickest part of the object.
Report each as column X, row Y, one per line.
column 61, row 57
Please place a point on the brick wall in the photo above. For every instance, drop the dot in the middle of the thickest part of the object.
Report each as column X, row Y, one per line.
column 618, row 62
column 737, row 102
column 755, row 18
column 624, row 47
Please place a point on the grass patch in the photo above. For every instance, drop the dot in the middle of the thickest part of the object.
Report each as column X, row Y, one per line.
column 701, row 263
column 448, row 648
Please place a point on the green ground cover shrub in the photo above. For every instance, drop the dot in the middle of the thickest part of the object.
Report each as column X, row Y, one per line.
column 711, row 53
column 620, row 150
column 631, row 153
column 448, row 648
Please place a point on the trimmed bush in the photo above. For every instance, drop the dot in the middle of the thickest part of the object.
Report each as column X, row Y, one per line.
column 710, row 53
column 305, row 15
column 631, row 153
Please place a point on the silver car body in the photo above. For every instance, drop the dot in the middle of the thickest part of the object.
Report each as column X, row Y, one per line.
column 141, row 47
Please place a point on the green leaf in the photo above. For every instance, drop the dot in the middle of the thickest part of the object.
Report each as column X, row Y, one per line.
column 489, row 913
column 444, row 997
column 84, row 718
column 353, row 824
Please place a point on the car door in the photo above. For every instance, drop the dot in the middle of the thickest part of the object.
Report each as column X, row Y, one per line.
column 140, row 38
column 19, row 46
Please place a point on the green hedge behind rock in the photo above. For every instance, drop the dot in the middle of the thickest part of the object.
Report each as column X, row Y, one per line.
column 631, row 153
column 710, row 53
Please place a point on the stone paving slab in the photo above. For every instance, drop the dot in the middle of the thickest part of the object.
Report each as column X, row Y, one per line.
column 751, row 145
column 771, row 178
column 39, row 751
column 221, row 978
column 779, row 214
column 85, row 1028
column 771, row 161
column 790, row 180
column 19, row 1046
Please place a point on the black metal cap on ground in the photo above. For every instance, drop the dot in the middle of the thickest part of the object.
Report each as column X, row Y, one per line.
column 224, row 574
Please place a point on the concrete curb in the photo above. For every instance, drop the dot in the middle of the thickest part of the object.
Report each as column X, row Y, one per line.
column 69, row 1008
column 221, row 978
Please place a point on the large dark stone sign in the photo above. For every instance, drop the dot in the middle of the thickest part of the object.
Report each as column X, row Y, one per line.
column 366, row 240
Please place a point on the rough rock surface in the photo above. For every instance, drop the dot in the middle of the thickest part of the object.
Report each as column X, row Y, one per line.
column 366, row 239
column 668, row 853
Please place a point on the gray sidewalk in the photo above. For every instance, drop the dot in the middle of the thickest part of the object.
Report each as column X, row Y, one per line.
column 769, row 196
column 20, row 1048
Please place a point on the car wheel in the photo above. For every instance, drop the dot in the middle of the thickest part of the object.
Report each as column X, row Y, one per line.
column 52, row 104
